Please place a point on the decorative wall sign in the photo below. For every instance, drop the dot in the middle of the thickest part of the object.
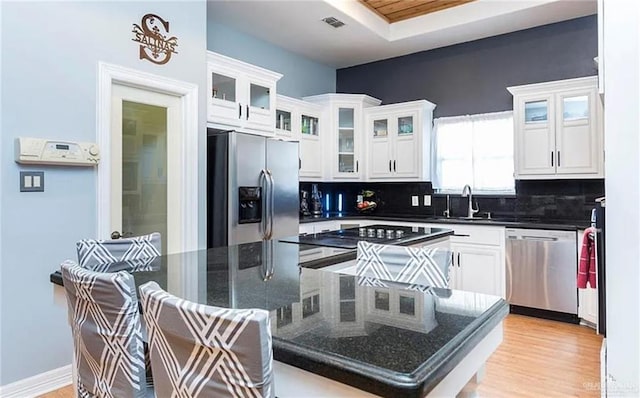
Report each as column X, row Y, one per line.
column 152, row 34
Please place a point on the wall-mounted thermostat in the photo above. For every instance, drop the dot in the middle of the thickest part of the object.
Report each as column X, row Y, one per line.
column 63, row 153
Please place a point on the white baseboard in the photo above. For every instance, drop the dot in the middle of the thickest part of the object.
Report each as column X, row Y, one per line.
column 38, row 384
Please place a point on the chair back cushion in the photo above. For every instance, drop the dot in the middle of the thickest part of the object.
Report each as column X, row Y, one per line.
column 134, row 254
column 107, row 338
column 412, row 265
column 204, row 351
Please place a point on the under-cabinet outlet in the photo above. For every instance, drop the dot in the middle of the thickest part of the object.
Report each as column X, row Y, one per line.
column 414, row 201
column 427, row 200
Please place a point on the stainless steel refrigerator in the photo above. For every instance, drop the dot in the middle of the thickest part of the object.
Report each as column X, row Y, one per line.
column 252, row 188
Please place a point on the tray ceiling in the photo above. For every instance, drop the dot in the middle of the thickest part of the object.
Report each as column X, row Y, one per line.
column 399, row 10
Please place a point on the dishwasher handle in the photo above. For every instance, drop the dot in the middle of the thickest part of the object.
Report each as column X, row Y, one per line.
column 533, row 238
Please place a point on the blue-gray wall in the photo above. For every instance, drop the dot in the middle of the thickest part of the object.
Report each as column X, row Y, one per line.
column 302, row 76
column 50, row 53
column 472, row 77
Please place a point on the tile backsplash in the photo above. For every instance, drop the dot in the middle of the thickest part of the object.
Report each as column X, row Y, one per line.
column 564, row 200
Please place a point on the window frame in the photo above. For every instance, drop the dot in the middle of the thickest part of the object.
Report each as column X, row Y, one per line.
column 435, row 159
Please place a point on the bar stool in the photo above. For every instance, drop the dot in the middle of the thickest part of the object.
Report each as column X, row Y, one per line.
column 107, row 335
column 205, row 351
column 139, row 253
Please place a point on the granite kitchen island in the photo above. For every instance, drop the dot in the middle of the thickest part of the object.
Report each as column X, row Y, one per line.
column 337, row 334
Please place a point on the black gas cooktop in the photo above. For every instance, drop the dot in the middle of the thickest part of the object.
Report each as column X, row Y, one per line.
column 378, row 233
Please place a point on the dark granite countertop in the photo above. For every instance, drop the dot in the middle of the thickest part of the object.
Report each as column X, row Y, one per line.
column 509, row 222
column 326, row 322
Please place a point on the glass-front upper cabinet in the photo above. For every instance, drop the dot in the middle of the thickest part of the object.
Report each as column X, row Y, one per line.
column 346, row 140
column 309, row 125
column 260, row 97
column 283, row 120
column 405, row 125
column 381, row 128
column 240, row 95
column 536, row 111
column 575, row 108
column 344, row 133
column 223, row 87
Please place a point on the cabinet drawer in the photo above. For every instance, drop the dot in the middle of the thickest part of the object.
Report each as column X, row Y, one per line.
column 319, row 226
column 493, row 236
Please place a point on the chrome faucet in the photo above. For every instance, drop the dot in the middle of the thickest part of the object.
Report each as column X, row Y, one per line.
column 447, row 213
column 466, row 191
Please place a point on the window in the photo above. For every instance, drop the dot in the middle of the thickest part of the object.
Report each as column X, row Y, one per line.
column 310, row 305
column 475, row 150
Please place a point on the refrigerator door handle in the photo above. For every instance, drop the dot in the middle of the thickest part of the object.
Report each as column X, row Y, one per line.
column 264, row 184
column 271, row 203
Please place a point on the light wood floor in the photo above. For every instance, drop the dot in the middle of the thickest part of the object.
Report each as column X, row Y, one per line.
column 538, row 358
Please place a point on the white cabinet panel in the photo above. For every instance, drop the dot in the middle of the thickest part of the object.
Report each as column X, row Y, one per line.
column 478, row 269
column 558, row 129
column 398, row 138
column 379, row 164
column 576, row 141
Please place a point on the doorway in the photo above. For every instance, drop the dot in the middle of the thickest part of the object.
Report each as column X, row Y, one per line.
column 148, row 175
column 145, row 132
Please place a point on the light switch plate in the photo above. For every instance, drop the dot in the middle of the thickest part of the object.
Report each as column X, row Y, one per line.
column 32, row 181
column 414, row 201
column 427, row 200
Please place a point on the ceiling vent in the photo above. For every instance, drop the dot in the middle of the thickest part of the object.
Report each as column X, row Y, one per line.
column 336, row 23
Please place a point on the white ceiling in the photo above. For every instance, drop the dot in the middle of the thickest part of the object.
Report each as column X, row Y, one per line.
column 297, row 25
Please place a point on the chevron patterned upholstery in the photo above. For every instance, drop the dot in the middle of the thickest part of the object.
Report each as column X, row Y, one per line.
column 107, row 338
column 417, row 266
column 205, row 351
column 134, row 254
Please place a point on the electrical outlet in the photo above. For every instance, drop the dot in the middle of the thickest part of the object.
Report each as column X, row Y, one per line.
column 414, row 201
column 427, row 200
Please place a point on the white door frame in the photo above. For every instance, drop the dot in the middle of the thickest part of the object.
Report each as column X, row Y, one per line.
column 108, row 75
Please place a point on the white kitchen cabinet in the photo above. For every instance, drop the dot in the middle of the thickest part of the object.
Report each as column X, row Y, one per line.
column 344, row 131
column 312, row 143
column 478, row 258
column 319, row 226
column 558, row 130
column 477, row 269
column 398, row 141
column 301, row 121
column 240, row 95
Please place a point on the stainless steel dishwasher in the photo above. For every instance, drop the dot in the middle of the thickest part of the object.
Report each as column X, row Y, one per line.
column 541, row 269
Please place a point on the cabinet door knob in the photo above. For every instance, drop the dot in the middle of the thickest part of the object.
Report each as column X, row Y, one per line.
column 239, row 111
column 558, row 158
column 394, row 165
column 247, row 112
column 551, row 158
column 356, row 166
column 389, row 166
column 458, row 259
